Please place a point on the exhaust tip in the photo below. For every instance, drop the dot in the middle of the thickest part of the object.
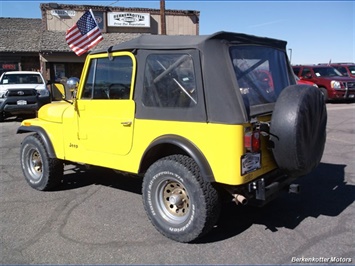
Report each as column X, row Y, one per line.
column 240, row 199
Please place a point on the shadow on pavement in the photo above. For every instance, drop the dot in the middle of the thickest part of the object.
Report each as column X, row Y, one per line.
column 80, row 176
column 323, row 192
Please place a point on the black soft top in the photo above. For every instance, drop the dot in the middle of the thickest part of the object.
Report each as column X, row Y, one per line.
column 167, row 42
column 223, row 102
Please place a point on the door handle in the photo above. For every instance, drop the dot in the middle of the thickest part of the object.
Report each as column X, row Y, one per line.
column 126, row 123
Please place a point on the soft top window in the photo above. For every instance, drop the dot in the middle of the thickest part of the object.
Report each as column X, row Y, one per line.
column 261, row 73
column 169, row 81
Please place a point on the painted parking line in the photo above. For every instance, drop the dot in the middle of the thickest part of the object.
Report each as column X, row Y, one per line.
column 334, row 139
column 332, row 108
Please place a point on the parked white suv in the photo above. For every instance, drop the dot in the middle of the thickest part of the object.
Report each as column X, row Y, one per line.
column 22, row 92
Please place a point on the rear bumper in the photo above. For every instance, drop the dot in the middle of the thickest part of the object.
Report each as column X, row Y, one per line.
column 263, row 189
column 268, row 187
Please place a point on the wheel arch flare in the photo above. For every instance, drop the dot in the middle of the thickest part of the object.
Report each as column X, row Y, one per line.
column 173, row 144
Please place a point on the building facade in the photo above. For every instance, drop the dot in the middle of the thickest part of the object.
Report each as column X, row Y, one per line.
column 19, row 44
column 39, row 44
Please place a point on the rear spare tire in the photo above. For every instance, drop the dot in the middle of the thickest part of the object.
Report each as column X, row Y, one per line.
column 298, row 128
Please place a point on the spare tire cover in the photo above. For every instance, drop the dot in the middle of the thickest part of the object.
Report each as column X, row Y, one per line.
column 298, row 128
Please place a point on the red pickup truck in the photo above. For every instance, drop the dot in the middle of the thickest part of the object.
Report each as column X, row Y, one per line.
column 330, row 81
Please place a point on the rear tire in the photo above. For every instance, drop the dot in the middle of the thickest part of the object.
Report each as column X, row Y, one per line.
column 41, row 172
column 179, row 203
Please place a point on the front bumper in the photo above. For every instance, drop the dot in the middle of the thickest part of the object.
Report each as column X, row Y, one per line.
column 22, row 105
column 342, row 94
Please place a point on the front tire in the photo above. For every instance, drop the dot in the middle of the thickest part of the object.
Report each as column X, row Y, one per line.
column 2, row 116
column 325, row 94
column 179, row 203
column 41, row 172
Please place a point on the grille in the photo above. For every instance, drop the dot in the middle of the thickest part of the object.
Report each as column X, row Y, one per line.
column 351, row 85
column 19, row 92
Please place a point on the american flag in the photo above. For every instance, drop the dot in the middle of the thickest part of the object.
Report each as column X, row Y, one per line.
column 84, row 35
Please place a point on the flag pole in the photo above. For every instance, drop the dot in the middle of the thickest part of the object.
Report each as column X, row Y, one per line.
column 92, row 14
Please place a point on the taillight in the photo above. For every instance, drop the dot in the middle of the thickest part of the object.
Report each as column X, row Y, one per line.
column 252, row 141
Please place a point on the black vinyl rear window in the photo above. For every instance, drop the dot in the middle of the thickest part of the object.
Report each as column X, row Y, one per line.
column 261, row 72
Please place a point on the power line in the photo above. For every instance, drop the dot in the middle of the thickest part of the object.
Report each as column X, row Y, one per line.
column 113, row 3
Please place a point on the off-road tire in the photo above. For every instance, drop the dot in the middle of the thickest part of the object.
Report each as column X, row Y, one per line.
column 298, row 128
column 176, row 179
column 2, row 116
column 40, row 171
column 325, row 93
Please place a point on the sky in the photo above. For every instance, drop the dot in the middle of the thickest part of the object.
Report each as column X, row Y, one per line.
column 315, row 31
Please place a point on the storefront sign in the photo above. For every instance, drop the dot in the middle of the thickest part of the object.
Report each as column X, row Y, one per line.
column 9, row 66
column 128, row 19
column 63, row 13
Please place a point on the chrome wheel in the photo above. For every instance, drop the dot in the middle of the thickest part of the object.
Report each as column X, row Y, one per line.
column 173, row 201
column 35, row 165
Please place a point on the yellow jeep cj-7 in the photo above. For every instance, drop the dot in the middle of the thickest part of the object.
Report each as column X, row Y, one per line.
column 196, row 116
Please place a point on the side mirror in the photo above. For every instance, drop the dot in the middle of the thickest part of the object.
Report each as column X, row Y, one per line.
column 58, row 91
column 72, row 86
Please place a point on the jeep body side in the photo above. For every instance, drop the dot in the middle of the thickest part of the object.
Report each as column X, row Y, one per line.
column 330, row 81
column 194, row 115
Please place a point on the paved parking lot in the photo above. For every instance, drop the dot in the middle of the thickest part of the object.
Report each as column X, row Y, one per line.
column 97, row 217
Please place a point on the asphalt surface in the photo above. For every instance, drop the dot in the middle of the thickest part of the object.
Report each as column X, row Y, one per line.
column 97, row 216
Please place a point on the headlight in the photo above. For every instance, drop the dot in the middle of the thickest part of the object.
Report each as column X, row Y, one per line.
column 2, row 94
column 335, row 84
column 43, row 93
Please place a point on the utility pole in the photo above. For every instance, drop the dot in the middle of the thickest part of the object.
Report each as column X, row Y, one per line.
column 162, row 17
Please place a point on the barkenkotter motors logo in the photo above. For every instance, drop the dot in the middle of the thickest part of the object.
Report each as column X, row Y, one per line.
column 321, row 260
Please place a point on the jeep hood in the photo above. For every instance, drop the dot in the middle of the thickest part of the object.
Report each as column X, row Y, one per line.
column 53, row 112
